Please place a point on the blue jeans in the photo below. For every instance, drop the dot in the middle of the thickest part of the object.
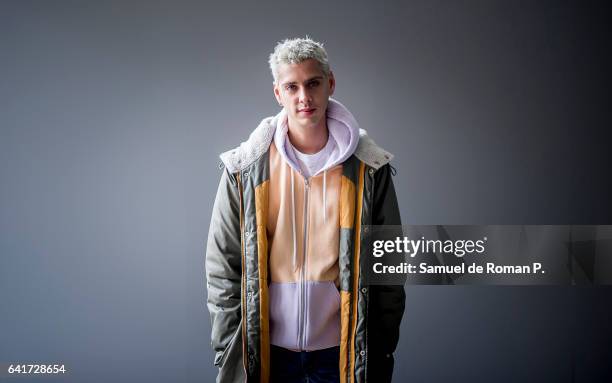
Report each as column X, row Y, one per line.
column 321, row 366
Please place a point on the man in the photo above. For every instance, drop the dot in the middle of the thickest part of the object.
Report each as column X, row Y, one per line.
column 286, row 245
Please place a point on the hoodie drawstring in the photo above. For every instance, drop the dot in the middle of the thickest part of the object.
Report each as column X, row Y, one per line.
column 293, row 220
column 293, row 227
column 324, row 196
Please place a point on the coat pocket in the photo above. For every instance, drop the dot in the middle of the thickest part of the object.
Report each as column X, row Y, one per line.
column 236, row 342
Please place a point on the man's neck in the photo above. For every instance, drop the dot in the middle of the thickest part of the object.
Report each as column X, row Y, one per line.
column 308, row 140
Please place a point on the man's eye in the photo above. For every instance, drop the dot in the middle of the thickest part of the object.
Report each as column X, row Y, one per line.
column 290, row 87
column 313, row 84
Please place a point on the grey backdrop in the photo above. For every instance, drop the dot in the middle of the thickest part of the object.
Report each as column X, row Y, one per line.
column 113, row 113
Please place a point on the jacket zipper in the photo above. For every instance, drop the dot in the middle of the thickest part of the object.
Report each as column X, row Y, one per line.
column 302, row 323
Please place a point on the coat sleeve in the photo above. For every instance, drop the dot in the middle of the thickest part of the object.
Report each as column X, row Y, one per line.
column 224, row 266
column 387, row 302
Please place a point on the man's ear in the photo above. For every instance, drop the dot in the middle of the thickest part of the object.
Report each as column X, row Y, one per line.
column 277, row 93
column 332, row 83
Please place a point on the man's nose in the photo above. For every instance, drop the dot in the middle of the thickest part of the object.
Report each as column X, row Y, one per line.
column 304, row 95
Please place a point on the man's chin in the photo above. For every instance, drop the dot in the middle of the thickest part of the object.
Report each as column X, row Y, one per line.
column 309, row 119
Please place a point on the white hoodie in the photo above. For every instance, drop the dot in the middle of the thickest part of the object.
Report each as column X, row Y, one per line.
column 343, row 134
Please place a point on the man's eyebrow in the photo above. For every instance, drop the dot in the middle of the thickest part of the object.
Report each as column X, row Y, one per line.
column 315, row 78
column 309, row 80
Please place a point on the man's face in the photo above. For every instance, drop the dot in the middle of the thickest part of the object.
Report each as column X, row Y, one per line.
column 303, row 90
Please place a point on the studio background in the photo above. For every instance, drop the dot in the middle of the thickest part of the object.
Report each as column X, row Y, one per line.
column 113, row 113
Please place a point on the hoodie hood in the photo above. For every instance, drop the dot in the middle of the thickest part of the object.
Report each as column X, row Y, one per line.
column 343, row 131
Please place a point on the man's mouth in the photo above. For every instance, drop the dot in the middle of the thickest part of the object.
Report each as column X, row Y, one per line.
column 307, row 110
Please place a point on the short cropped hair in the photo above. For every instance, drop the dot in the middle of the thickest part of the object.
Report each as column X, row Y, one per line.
column 294, row 51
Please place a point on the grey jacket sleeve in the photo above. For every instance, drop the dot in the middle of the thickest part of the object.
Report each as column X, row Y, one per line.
column 223, row 266
column 387, row 302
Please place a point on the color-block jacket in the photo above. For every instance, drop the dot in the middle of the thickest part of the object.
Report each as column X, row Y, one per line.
column 243, row 243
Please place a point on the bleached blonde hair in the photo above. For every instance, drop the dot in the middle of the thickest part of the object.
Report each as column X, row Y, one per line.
column 294, row 51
